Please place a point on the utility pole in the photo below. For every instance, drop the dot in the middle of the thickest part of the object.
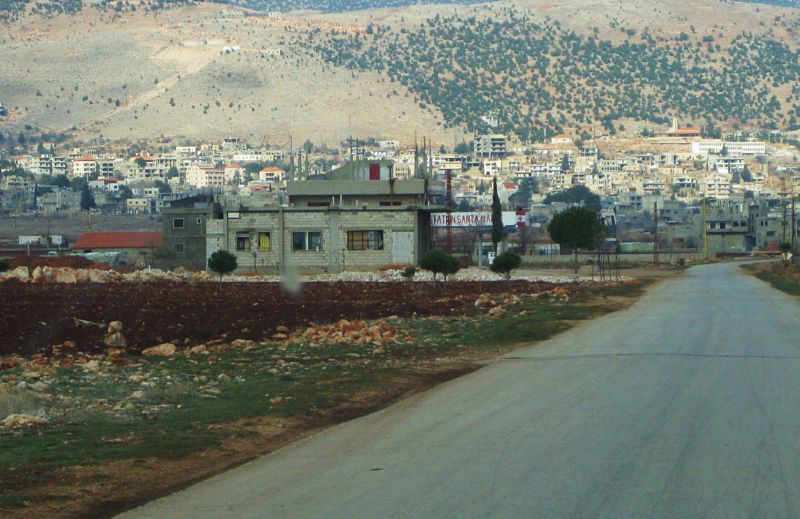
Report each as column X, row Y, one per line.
column 416, row 153
column 794, row 225
column 705, row 236
column 655, row 233
column 291, row 159
column 783, row 214
column 449, row 214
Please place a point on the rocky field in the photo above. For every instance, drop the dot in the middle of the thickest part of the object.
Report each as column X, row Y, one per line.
column 139, row 389
column 36, row 317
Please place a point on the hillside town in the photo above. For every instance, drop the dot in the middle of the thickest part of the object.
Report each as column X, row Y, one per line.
column 677, row 191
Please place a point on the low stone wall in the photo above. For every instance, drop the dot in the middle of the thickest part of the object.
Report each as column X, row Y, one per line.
column 665, row 257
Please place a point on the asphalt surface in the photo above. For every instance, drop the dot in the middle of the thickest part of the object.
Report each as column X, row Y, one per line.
column 685, row 405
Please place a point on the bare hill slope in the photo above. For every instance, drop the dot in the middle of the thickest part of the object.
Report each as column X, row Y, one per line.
column 188, row 72
column 199, row 72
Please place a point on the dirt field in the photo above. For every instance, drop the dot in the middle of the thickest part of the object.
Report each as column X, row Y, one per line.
column 117, row 431
column 36, row 317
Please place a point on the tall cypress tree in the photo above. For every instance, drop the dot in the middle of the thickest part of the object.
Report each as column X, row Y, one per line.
column 87, row 199
column 497, row 216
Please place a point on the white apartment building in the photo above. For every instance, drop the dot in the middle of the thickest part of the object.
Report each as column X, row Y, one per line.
column 205, row 177
column 186, row 151
column 84, row 166
column 734, row 148
column 728, row 165
column 716, row 186
column 491, row 167
column 271, row 174
column 250, row 156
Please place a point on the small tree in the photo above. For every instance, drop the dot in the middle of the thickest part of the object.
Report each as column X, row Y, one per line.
column 506, row 262
column 60, row 181
column 439, row 262
column 222, row 262
column 576, row 228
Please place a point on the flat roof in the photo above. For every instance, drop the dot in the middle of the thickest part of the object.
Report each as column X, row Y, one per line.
column 356, row 187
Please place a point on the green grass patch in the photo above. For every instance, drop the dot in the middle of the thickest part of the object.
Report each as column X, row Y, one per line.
column 778, row 280
column 12, row 500
column 173, row 406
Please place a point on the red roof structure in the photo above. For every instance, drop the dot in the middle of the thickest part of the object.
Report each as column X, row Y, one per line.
column 120, row 240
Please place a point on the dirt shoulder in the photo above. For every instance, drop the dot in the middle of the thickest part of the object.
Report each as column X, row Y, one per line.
column 121, row 431
column 782, row 277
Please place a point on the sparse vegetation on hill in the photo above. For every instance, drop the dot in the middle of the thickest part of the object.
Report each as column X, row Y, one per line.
column 782, row 3
column 535, row 75
column 11, row 9
column 335, row 5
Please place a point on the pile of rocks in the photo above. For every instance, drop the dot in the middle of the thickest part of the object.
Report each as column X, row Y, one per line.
column 343, row 332
column 68, row 275
column 497, row 305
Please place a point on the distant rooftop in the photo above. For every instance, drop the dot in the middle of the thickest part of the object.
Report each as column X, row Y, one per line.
column 120, row 240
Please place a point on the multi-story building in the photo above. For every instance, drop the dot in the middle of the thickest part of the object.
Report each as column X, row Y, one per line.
column 184, row 224
column 734, row 148
column 717, row 186
column 205, row 177
column 139, row 205
column 83, row 167
column 492, row 145
column 358, row 217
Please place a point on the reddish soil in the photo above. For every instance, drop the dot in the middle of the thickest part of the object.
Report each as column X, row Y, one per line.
column 35, row 317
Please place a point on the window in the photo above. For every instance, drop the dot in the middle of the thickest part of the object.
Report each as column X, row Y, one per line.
column 199, row 221
column 177, row 223
column 243, row 241
column 264, row 241
column 179, row 248
column 385, row 203
column 307, row 240
column 364, row 240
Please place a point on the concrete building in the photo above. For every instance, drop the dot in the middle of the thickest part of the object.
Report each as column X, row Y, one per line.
column 184, row 225
column 139, row 205
column 358, row 217
column 270, row 238
column 205, row 177
column 734, row 148
column 492, row 145
column 83, row 167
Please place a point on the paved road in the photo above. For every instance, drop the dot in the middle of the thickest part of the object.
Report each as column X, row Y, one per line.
column 685, row 405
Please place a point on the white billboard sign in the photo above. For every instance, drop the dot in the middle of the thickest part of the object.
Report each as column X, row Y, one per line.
column 475, row 219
